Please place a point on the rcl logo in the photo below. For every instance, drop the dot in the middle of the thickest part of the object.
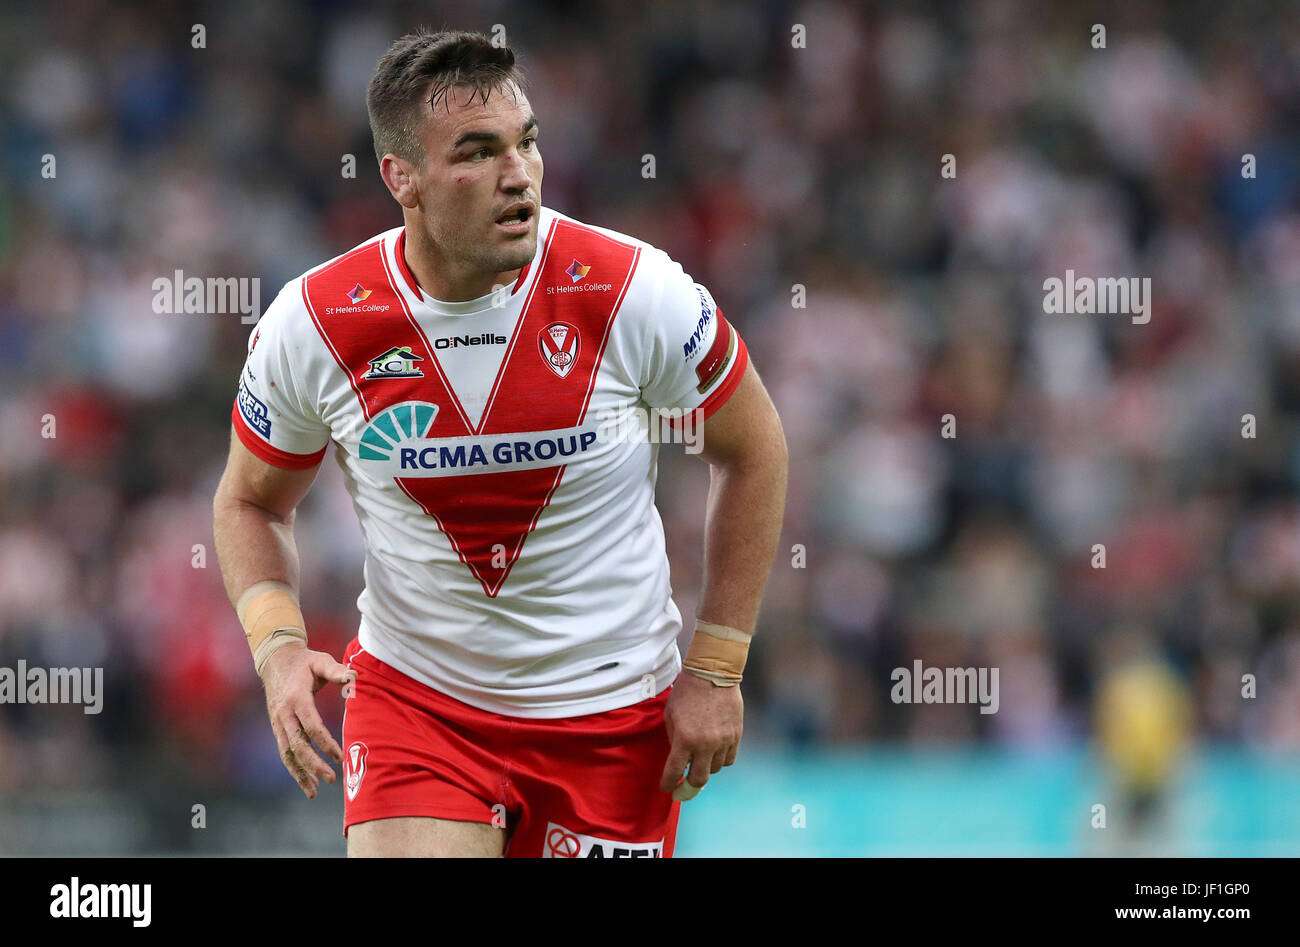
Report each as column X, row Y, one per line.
column 563, row 843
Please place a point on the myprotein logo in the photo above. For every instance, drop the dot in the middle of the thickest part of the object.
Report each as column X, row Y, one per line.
column 565, row 843
column 707, row 308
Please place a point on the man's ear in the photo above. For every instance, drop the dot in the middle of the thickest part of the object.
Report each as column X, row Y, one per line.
column 398, row 176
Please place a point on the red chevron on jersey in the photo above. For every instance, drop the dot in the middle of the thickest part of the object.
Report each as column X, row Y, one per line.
column 485, row 516
column 514, row 558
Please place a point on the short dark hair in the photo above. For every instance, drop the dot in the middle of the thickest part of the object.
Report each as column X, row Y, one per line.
column 448, row 59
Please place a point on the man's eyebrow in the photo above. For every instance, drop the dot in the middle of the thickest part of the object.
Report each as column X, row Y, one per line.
column 492, row 136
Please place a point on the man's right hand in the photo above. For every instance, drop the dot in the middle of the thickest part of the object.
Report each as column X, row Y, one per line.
column 292, row 676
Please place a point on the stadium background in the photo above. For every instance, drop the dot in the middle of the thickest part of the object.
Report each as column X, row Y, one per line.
column 776, row 166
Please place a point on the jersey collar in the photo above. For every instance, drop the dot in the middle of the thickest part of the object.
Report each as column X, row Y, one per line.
column 414, row 285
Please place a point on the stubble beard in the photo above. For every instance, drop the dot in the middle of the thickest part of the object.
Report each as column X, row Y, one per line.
column 491, row 260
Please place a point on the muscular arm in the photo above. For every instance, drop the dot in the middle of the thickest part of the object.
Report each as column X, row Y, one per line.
column 252, row 523
column 252, row 520
column 744, row 446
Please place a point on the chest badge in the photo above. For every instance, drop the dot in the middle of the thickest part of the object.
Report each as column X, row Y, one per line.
column 559, row 344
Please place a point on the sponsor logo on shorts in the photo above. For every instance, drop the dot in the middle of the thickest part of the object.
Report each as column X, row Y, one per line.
column 565, row 843
column 354, row 768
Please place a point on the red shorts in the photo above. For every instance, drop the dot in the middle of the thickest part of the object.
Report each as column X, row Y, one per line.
column 568, row 787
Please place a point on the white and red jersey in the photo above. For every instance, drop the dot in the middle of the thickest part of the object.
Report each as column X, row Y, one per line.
column 514, row 556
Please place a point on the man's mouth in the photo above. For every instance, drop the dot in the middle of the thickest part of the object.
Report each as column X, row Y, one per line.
column 516, row 220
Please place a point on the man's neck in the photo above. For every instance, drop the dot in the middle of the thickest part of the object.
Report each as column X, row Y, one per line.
column 443, row 281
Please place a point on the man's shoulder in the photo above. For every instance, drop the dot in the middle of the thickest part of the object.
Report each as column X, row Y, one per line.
column 363, row 251
column 654, row 270
column 290, row 308
column 370, row 243
column 650, row 254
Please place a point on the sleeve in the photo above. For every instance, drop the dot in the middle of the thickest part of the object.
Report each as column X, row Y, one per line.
column 270, row 416
column 695, row 357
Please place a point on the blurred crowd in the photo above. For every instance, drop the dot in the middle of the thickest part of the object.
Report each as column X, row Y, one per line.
column 803, row 186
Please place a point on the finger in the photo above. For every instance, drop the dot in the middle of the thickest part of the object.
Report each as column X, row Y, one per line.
column 327, row 671
column 701, row 761
column 719, row 760
column 696, row 777
column 319, row 733
column 685, row 791
column 298, row 768
column 674, row 768
column 731, row 754
column 292, row 753
column 287, row 758
column 304, row 752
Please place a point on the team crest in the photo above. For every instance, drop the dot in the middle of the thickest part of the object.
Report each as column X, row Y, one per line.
column 354, row 768
column 559, row 344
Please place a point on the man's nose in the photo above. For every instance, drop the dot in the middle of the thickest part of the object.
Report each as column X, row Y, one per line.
column 515, row 175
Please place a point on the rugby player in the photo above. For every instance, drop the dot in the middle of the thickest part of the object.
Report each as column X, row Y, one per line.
column 515, row 686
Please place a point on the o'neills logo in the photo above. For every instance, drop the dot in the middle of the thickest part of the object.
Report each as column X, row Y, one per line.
column 455, row 341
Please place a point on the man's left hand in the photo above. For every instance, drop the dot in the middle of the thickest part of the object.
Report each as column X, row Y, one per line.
column 704, row 723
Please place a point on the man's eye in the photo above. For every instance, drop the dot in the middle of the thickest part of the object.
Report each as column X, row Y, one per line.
column 481, row 151
column 530, row 141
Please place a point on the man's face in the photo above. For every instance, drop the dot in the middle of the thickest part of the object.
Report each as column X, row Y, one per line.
column 482, row 163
